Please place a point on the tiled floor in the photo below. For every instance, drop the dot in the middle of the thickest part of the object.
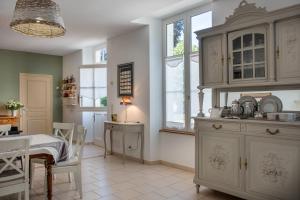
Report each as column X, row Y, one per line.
column 109, row 179
column 91, row 151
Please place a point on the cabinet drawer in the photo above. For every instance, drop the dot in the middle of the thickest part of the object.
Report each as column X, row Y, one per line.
column 219, row 126
column 273, row 130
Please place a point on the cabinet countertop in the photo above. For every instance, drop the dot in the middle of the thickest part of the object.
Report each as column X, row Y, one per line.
column 296, row 123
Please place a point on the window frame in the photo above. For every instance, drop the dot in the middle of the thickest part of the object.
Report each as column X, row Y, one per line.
column 186, row 17
column 93, row 66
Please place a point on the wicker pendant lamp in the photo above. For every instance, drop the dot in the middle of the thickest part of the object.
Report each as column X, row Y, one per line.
column 38, row 18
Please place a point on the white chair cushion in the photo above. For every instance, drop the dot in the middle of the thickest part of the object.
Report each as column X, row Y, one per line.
column 69, row 162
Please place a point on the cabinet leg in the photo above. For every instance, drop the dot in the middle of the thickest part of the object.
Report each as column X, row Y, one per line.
column 197, row 188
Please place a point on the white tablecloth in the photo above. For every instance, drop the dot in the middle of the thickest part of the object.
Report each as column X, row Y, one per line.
column 39, row 144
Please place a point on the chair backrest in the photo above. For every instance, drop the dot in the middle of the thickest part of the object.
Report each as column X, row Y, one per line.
column 12, row 148
column 64, row 130
column 81, row 135
column 4, row 129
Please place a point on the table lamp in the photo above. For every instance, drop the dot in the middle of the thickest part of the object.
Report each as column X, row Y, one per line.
column 126, row 100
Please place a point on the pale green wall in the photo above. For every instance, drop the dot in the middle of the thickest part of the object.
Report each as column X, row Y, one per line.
column 12, row 63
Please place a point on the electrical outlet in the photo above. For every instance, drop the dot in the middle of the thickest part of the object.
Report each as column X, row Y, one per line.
column 130, row 148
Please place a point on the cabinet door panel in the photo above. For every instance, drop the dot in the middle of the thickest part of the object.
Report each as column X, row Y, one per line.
column 247, row 50
column 288, row 49
column 273, row 168
column 212, row 60
column 220, row 157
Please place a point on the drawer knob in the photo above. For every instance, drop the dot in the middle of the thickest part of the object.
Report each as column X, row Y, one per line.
column 272, row 132
column 216, row 127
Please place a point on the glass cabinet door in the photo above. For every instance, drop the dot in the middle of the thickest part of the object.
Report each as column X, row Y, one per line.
column 247, row 52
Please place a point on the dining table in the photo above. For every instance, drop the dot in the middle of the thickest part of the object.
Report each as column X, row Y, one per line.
column 51, row 149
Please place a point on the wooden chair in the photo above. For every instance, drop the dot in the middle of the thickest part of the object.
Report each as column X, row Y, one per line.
column 4, row 129
column 65, row 131
column 62, row 130
column 73, row 164
column 13, row 178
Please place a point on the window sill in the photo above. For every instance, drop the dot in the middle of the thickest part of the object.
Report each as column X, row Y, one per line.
column 176, row 131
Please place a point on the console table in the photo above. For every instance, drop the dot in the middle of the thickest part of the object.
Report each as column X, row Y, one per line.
column 123, row 128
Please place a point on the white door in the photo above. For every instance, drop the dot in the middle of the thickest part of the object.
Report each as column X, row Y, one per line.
column 88, row 121
column 100, row 117
column 273, row 168
column 36, row 95
column 94, row 122
column 220, row 156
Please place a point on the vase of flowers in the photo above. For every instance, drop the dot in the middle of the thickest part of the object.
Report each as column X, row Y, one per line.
column 13, row 106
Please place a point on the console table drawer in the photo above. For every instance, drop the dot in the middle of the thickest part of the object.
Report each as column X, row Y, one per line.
column 8, row 120
column 219, row 126
column 273, row 130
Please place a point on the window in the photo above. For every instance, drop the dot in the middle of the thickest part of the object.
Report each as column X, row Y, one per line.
column 181, row 69
column 101, row 56
column 93, row 87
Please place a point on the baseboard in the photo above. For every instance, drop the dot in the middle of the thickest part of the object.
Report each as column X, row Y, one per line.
column 156, row 162
column 177, row 166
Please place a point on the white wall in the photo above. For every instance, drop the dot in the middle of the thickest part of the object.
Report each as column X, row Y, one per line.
column 155, row 78
column 71, row 64
column 130, row 47
column 181, row 149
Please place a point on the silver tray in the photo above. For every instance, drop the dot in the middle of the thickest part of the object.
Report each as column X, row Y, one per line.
column 270, row 104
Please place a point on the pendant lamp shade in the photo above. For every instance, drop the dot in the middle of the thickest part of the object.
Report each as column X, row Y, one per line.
column 38, row 18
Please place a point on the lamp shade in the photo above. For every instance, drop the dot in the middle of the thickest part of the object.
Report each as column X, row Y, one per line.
column 38, row 18
column 126, row 100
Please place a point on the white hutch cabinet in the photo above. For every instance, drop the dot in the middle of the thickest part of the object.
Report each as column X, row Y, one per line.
column 252, row 159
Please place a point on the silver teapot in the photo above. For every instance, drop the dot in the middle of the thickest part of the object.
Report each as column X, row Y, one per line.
column 236, row 109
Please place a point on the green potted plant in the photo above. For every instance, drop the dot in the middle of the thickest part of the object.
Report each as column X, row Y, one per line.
column 13, row 106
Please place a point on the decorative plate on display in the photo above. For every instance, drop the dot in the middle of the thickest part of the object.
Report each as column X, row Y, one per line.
column 270, row 104
column 245, row 99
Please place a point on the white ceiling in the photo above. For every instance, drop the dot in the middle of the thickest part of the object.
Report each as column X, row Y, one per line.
column 88, row 22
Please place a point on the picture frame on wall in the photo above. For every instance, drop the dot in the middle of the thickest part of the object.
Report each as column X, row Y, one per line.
column 125, row 79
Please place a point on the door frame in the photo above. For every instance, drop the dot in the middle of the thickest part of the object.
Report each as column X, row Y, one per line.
column 24, row 76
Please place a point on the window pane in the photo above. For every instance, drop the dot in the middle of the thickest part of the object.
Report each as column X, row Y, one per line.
column 100, row 77
column 175, row 38
column 237, row 58
column 86, row 97
column 237, row 72
column 248, row 71
column 175, row 116
column 199, row 22
column 100, row 97
column 101, row 56
column 248, row 56
column 86, row 77
column 259, row 39
column 260, row 55
column 236, row 43
column 247, row 40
